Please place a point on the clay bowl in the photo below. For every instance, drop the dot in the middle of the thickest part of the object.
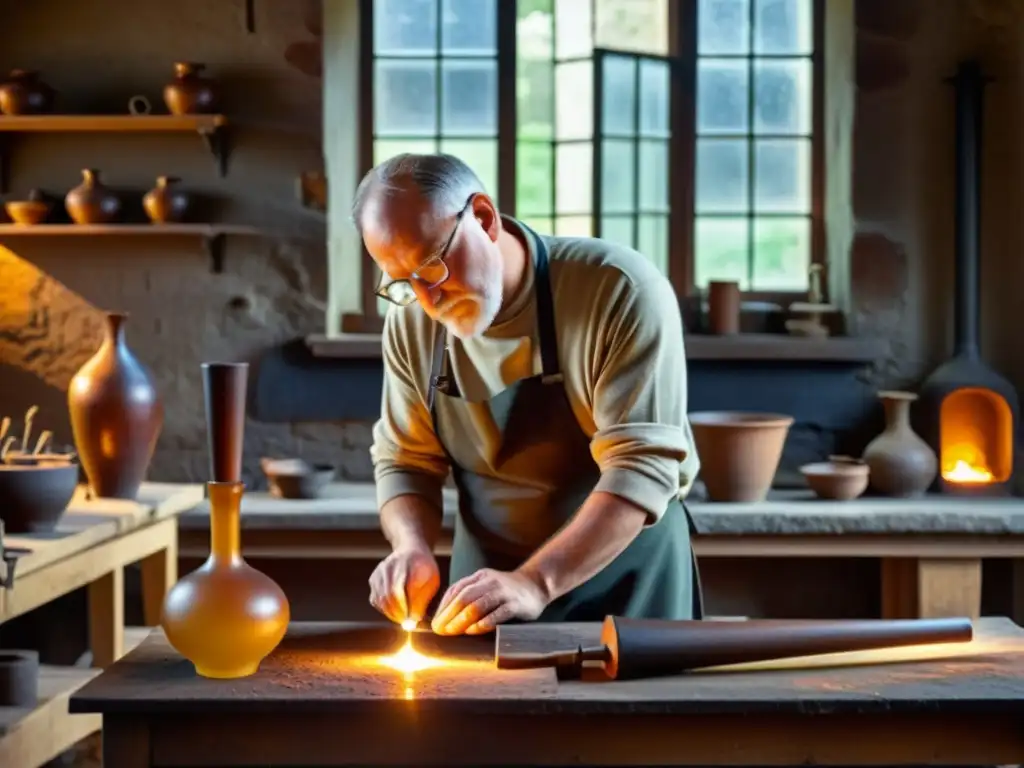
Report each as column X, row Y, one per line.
column 19, row 678
column 296, row 478
column 841, row 478
column 27, row 211
column 739, row 452
column 33, row 497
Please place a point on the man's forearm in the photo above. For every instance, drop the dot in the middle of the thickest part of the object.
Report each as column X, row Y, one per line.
column 410, row 521
column 598, row 533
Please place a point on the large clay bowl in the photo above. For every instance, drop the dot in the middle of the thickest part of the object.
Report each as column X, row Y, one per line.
column 839, row 478
column 739, row 452
column 33, row 498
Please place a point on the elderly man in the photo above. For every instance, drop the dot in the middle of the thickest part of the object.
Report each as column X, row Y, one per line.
column 547, row 375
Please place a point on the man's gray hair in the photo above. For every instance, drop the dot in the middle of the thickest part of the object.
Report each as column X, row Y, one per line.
column 444, row 180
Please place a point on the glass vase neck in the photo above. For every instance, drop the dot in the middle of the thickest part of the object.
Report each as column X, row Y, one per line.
column 225, row 520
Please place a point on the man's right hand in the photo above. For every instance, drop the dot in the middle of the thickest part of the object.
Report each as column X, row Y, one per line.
column 403, row 584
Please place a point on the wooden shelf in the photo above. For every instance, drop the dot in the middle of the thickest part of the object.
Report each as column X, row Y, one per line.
column 748, row 347
column 112, row 123
column 212, row 234
column 211, row 128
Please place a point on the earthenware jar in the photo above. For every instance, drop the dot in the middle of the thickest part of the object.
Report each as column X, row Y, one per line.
column 19, row 678
column 165, row 203
column 739, row 452
column 901, row 463
column 190, row 93
column 226, row 616
column 116, row 416
column 91, row 202
column 24, row 93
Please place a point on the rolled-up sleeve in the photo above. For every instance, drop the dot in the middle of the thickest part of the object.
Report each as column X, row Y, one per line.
column 643, row 444
column 407, row 457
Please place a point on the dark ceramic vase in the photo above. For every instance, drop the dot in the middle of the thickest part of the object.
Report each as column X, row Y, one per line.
column 91, row 202
column 116, row 416
column 190, row 93
column 165, row 203
column 23, row 93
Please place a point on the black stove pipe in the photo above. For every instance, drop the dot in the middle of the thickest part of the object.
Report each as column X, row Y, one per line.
column 969, row 84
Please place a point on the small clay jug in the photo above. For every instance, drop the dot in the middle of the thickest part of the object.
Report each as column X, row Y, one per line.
column 190, row 93
column 165, row 203
column 24, row 93
column 91, row 202
column 116, row 416
column 900, row 462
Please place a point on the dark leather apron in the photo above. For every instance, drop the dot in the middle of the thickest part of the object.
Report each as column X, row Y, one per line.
column 533, row 473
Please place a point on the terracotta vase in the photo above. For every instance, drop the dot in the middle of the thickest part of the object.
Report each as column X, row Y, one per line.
column 226, row 616
column 723, row 307
column 91, row 202
column 116, row 416
column 165, row 203
column 24, row 93
column 190, row 93
column 901, row 463
column 739, row 452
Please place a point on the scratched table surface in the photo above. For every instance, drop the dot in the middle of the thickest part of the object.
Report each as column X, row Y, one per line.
column 333, row 668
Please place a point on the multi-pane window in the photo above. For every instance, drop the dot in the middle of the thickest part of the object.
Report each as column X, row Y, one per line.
column 435, row 81
column 754, row 143
column 600, row 144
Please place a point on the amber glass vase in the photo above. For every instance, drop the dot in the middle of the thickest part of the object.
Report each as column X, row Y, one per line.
column 225, row 617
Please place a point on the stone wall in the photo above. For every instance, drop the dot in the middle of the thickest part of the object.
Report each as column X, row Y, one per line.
column 53, row 291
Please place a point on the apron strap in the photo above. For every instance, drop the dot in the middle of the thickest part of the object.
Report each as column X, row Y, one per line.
column 550, row 368
column 438, row 369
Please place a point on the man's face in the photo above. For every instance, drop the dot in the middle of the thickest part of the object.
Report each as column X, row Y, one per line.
column 404, row 236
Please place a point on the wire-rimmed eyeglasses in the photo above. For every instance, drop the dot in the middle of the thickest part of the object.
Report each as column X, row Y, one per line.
column 432, row 273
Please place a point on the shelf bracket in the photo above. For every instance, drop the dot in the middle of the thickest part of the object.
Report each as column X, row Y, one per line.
column 217, row 142
column 215, row 251
column 250, row 16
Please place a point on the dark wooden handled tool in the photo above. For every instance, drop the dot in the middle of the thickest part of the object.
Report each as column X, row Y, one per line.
column 635, row 648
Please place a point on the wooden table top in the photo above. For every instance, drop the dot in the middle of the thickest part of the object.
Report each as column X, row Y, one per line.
column 88, row 522
column 334, row 668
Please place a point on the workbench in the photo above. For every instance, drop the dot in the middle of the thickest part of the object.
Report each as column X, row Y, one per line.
column 92, row 544
column 324, row 698
column 930, row 549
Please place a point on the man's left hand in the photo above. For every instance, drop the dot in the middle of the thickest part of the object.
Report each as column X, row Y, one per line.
column 480, row 602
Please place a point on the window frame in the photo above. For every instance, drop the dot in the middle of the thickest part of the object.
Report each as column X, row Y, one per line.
column 682, row 21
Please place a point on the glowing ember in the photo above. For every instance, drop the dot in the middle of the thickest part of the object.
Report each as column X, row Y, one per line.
column 962, row 472
column 966, row 464
column 408, row 660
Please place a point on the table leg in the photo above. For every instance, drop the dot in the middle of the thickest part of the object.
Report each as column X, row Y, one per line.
column 159, row 572
column 106, row 618
column 915, row 588
column 125, row 743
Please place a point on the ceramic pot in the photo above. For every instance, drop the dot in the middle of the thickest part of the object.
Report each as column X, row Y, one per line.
column 840, row 478
column 36, row 493
column 739, row 452
column 19, row 679
column 23, row 93
column 91, row 202
column 901, row 463
column 225, row 616
column 190, row 93
column 32, row 210
column 116, row 416
column 165, row 203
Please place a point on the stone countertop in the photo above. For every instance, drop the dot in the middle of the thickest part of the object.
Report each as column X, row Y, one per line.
column 352, row 506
